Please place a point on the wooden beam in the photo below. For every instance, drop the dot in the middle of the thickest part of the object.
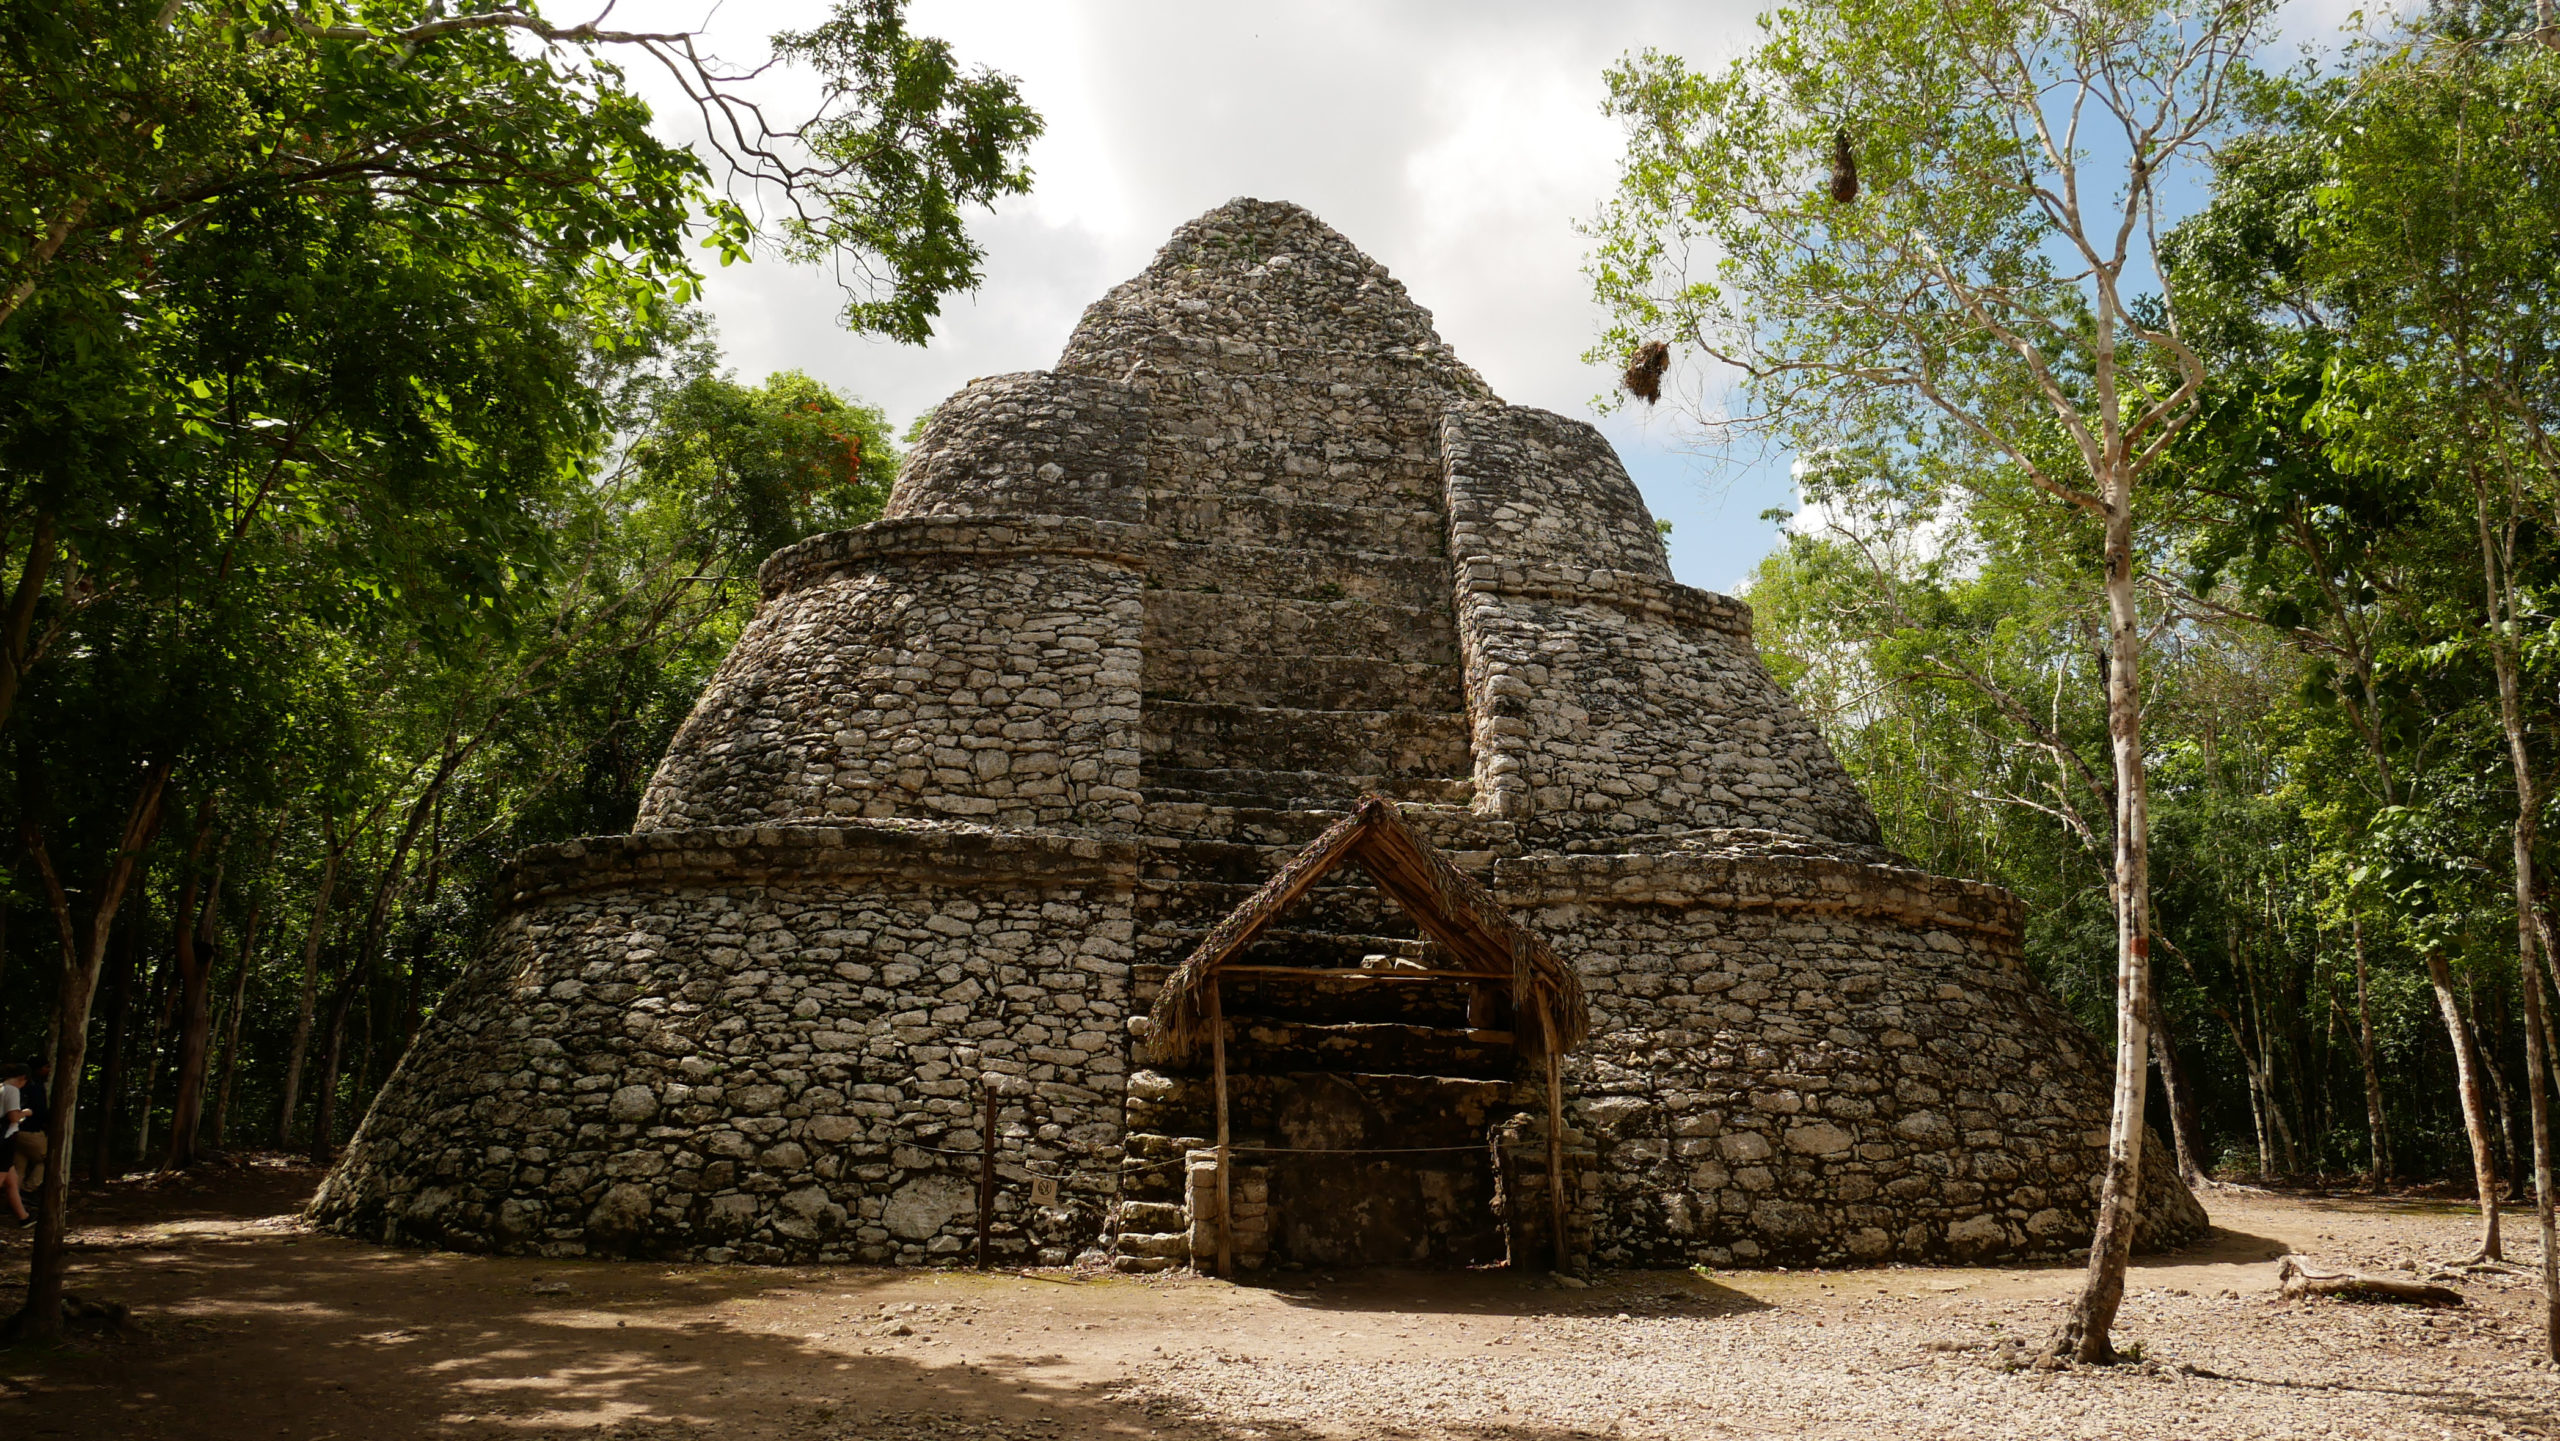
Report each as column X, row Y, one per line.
column 1355, row 973
column 1226, row 1191
column 1555, row 1125
column 987, row 1172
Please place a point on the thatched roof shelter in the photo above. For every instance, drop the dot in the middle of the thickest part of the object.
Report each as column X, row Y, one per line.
column 1481, row 938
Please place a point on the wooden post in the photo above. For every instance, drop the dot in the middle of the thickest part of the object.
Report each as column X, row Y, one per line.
column 1555, row 1126
column 1226, row 1192
column 987, row 1171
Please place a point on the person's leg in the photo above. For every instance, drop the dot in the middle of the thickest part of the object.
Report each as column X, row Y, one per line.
column 29, row 1162
column 9, row 1188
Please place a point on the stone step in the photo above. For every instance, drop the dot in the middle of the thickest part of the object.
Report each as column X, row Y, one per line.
column 1290, row 573
column 1179, row 620
column 1151, row 1168
column 1270, row 520
column 1152, row 1216
column 1398, row 743
column 1166, row 1244
column 1307, row 682
column 1180, row 911
column 1246, row 361
column 1149, row 1265
column 1175, row 863
column 1261, row 1044
column 1330, row 1110
column 1311, row 949
column 1327, row 1000
column 1241, row 788
column 1450, row 825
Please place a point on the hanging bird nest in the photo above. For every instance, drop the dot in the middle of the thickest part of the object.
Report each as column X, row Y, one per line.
column 1844, row 169
column 1643, row 378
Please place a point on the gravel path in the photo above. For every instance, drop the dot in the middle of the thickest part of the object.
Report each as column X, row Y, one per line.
column 250, row 1326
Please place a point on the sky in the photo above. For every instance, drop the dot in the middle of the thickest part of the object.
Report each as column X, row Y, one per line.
column 1455, row 141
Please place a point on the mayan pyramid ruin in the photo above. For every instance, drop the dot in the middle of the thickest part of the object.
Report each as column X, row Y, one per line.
column 1132, row 634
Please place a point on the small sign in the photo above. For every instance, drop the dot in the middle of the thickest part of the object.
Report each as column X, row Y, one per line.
column 1044, row 1190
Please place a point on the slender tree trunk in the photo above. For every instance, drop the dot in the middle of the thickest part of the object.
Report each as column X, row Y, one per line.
column 2084, row 1336
column 84, row 953
column 2262, row 1074
column 2486, row 1042
column 377, row 921
column 311, row 939
column 2503, row 607
column 111, row 1079
column 2537, row 1042
column 2377, row 1122
column 324, row 1113
column 17, row 624
column 197, row 957
column 2182, row 1118
column 2258, row 1118
column 164, row 1013
column 231, row 1030
column 2475, row 1110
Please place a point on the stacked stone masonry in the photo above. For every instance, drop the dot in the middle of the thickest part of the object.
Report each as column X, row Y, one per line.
column 1130, row 632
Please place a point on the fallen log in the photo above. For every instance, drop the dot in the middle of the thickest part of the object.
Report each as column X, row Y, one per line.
column 2299, row 1281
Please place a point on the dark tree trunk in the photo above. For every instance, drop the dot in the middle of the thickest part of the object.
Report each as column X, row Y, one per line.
column 298, row 1049
column 231, row 1030
column 2182, row 1111
column 2377, row 1119
column 199, row 951
column 111, row 1079
column 324, row 1106
column 84, row 953
column 2475, row 1109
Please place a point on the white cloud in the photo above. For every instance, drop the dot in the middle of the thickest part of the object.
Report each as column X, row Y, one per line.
column 1455, row 140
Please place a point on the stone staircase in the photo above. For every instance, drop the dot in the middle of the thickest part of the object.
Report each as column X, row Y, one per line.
column 1300, row 651
column 1324, row 1062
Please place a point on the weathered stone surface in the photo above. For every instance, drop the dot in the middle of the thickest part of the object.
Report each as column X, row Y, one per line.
column 1130, row 632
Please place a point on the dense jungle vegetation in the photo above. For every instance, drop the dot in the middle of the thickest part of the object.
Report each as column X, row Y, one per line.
column 2179, row 443
column 374, row 501
column 2177, row 547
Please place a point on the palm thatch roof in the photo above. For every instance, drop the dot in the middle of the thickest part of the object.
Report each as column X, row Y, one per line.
column 1450, row 908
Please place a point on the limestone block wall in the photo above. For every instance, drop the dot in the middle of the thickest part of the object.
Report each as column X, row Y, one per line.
column 1261, row 286
column 1037, row 443
column 931, row 667
column 762, row 1045
column 1605, row 698
column 1800, row 1059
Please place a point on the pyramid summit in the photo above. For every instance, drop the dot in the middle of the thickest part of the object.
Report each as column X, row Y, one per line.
column 1131, row 634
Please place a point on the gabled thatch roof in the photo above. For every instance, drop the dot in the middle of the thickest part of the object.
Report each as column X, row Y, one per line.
column 1480, row 937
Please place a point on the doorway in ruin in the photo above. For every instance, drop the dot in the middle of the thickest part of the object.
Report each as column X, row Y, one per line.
column 1390, row 1105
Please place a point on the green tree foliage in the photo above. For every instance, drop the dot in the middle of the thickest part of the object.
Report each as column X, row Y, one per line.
column 1962, row 296
column 2347, row 663
column 369, row 500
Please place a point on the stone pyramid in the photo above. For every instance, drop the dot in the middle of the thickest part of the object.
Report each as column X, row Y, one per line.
column 1131, row 631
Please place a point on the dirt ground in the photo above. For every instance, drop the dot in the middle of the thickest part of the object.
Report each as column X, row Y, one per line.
column 247, row 1324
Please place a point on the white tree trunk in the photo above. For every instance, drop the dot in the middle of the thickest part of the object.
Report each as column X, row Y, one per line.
column 2085, row 1335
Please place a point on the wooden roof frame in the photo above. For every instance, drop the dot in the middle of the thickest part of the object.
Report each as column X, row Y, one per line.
column 1445, row 904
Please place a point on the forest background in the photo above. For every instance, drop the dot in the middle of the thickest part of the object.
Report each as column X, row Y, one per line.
column 374, row 502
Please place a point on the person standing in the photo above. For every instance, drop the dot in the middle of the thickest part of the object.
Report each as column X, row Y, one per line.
column 13, row 1111
column 27, row 1160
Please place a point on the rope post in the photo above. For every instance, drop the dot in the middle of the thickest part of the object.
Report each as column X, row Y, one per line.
column 1555, row 1126
column 987, row 1171
column 1226, row 1192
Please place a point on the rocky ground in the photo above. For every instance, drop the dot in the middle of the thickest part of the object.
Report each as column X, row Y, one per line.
column 249, row 1325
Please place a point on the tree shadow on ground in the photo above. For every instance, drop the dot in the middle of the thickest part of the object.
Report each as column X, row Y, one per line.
column 1499, row 1291
column 249, row 1331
